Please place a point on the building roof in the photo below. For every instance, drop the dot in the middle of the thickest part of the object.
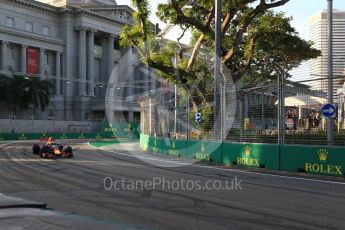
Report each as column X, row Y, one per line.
column 118, row 13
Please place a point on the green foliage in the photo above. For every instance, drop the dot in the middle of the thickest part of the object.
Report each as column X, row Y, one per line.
column 255, row 43
column 19, row 92
column 39, row 91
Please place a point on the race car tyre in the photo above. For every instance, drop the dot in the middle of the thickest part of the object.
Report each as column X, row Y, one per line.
column 45, row 149
column 36, row 149
column 68, row 149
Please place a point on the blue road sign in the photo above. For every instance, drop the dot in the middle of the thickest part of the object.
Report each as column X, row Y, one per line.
column 328, row 110
column 197, row 117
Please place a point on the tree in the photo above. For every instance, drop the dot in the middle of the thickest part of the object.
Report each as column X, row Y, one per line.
column 39, row 92
column 16, row 93
column 20, row 92
column 3, row 87
column 255, row 40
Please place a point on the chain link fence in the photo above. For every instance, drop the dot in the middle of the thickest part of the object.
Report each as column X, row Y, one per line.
column 250, row 114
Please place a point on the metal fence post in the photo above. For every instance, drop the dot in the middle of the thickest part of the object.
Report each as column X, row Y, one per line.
column 281, row 115
column 330, row 121
column 217, row 86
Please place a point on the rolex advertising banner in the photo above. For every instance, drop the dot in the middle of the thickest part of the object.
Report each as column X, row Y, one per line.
column 176, row 148
column 61, row 136
column 121, row 129
column 160, row 145
column 310, row 159
column 205, row 151
column 315, row 160
column 251, row 155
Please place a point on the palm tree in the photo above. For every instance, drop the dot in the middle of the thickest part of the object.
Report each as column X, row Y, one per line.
column 19, row 92
column 15, row 92
column 39, row 92
column 4, row 82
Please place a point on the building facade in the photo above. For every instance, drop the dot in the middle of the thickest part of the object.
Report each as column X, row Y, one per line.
column 75, row 45
column 318, row 34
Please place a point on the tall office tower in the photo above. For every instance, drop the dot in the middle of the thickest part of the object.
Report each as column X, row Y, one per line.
column 318, row 34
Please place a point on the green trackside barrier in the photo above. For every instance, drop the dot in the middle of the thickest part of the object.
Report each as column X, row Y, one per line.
column 156, row 145
column 176, row 148
column 165, row 145
column 37, row 136
column 321, row 160
column 102, row 143
column 205, row 150
column 144, row 142
column 121, row 129
column 312, row 159
column 150, row 144
column 160, row 145
column 251, row 155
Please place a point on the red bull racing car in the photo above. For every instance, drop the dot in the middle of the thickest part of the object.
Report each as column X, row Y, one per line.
column 51, row 149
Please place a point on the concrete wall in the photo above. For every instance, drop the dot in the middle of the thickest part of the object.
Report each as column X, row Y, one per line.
column 46, row 126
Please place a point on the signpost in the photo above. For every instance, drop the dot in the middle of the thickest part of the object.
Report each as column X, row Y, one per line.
column 198, row 117
column 329, row 110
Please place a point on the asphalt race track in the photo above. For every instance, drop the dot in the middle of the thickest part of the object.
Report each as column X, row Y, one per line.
column 79, row 186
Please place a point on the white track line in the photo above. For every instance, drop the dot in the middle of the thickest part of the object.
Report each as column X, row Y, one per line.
column 223, row 169
column 8, row 143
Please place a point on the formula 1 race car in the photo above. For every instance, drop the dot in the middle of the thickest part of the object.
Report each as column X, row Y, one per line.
column 51, row 149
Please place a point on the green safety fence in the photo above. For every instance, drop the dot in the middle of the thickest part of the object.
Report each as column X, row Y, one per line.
column 107, row 142
column 206, row 151
column 144, row 142
column 176, row 148
column 312, row 159
column 163, row 145
column 36, row 136
column 159, row 145
column 251, row 155
column 121, row 129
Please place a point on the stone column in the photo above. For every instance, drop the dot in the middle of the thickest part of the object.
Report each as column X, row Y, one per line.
column 110, row 55
column 82, row 61
column 4, row 48
column 23, row 57
column 91, row 61
column 57, row 73
column 42, row 62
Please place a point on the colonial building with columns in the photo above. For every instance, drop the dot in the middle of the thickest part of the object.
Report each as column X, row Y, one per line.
column 74, row 44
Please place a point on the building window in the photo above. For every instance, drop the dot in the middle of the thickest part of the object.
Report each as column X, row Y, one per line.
column 29, row 26
column 117, row 43
column 98, row 41
column 10, row 22
column 46, row 30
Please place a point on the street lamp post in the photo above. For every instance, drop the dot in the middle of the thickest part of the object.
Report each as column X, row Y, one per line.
column 330, row 124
